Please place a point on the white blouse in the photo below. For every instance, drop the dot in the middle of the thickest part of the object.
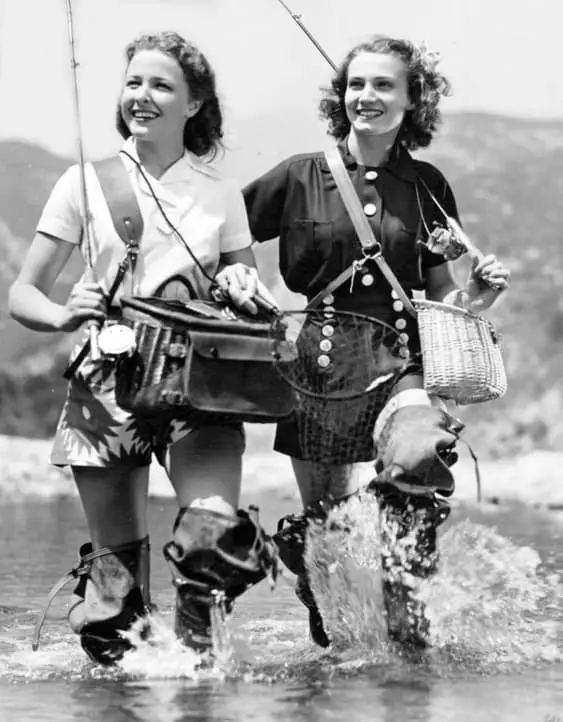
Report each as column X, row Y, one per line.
column 205, row 207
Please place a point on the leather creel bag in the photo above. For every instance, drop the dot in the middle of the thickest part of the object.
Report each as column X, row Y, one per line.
column 199, row 357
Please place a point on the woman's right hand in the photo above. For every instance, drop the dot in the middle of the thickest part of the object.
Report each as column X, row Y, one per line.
column 85, row 302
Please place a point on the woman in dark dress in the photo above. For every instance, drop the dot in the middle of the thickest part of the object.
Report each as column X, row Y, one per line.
column 382, row 104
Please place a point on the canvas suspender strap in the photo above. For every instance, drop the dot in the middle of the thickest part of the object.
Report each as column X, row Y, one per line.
column 121, row 199
column 125, row 213
column 370, row 246
column 128, row 223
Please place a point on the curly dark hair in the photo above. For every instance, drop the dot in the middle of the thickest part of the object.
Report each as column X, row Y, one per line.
column 426, row 86
column 203, row 132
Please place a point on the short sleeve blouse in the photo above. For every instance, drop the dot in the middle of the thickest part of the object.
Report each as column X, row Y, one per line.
column 205, row 207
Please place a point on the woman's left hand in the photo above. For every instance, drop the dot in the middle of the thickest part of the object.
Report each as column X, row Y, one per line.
column 239, row 282
column 487, row 280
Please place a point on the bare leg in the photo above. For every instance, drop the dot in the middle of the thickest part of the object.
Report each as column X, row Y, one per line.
column 206, row 466
column 114, row 502
column 317, row 481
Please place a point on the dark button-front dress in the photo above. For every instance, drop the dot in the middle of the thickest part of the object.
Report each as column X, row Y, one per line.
column 299, row 202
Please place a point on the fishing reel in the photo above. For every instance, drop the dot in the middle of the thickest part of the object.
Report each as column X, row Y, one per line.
column 117, row 341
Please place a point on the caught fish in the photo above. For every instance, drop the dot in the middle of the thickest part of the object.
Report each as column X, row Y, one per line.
column 452, row 242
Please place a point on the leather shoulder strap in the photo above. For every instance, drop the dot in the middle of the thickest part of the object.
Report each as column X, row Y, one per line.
column 128, row 223
column 120, row 197
column 363, row 229
column 340, row 280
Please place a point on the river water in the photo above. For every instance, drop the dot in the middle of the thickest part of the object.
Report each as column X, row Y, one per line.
column 496, row 608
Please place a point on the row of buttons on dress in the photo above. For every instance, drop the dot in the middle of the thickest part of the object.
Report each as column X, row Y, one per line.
column 400, row 325
column 327, row 329
column 370, row 210
column 327, row 332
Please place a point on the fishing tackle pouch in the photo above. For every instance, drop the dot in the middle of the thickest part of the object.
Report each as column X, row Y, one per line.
column 199, row 358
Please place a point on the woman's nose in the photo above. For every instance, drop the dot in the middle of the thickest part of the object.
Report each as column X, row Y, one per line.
column 368, row 92
column 142, row 94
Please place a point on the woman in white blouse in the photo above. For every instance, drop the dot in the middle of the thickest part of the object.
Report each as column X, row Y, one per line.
column 170, row 116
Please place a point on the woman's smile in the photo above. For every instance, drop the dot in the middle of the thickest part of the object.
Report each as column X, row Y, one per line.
column 155, row 90
column 376, row 97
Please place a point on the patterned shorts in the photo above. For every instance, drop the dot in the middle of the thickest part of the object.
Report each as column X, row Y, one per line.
column 94, row 431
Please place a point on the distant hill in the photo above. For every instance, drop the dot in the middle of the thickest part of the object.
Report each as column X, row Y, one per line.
column 507, row 174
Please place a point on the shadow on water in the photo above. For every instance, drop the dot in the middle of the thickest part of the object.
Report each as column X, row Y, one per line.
column 496, row 612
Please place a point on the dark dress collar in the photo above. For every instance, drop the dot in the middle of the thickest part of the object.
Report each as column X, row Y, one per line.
column 400, row 162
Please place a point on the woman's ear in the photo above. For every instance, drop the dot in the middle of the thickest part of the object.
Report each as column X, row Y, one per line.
column 194, row 106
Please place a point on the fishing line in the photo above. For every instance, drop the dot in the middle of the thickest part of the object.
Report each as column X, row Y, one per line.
column 171, row 225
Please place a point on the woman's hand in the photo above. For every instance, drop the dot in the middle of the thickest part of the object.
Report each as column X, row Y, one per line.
column 239, row 283
column 487, row 280
column 86, row 302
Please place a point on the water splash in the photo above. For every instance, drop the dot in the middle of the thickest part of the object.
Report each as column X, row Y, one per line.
column 491, row 605
column 161, row 655
column 492, row 599
column 493, row 608
column 344, row 562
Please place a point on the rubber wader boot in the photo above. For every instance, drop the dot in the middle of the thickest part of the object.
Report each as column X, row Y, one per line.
column 291, row 539
column 214, row 558
column 415, row 448
column 408, row 554
column 112, row 594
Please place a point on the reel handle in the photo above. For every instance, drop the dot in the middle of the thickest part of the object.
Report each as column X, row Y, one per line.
column 267, row 306
column 93, row 326
column 263, row 304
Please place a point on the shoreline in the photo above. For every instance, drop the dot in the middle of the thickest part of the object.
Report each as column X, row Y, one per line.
column 535, row 478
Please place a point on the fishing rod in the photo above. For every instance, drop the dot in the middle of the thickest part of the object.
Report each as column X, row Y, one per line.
column 322, row 51
column 93, row 327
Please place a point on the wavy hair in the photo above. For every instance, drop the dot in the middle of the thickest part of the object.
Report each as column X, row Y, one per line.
column 426, row 86
column 203, row 132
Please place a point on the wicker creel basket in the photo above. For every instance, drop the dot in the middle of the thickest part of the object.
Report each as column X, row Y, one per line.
column 461, row 354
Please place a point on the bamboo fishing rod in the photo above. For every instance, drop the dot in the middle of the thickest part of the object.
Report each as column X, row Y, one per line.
column 453, row 225
column 297, row 18
column 93, row 327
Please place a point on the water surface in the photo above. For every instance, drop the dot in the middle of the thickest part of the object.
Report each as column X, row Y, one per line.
column 496, row 608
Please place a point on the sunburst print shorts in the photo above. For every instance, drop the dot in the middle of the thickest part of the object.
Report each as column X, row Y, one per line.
column 93, row 430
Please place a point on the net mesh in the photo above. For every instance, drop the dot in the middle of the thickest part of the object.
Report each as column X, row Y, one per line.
column 342, row 367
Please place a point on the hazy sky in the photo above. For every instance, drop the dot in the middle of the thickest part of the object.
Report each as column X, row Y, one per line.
column 501, row 55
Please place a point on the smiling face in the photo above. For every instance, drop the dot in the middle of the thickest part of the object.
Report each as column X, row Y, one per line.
column 155, row 100
column 376, row 97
